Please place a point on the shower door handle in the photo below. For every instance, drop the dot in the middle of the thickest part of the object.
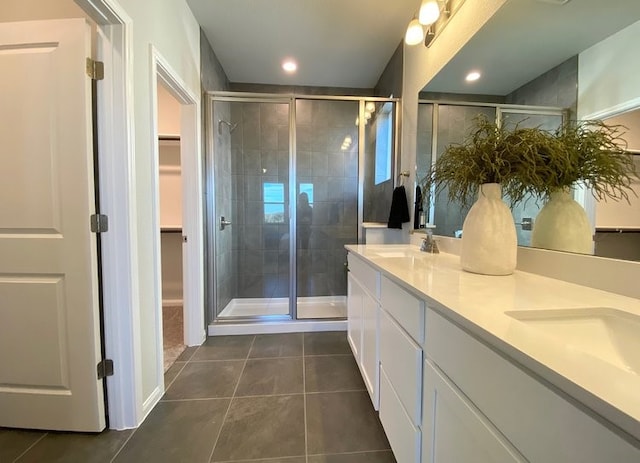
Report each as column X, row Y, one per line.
column 224, row 223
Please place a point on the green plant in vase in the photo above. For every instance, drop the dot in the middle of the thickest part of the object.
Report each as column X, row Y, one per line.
column 490, row 162
column 589, row 153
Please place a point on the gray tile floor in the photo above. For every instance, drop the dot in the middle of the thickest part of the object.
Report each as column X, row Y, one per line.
column 280, row 398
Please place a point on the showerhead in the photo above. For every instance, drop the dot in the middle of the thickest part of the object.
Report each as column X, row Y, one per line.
column 231, row 126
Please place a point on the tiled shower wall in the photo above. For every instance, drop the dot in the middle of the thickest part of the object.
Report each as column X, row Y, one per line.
column 321, row 128
column 557, row 87
column 226, row 272
column 259, row 154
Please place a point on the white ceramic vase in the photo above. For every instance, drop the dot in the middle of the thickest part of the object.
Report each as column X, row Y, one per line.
column 489, row 241
column 562, row 225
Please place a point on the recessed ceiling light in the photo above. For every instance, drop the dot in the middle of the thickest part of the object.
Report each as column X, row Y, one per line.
column 472, row 76
column 289, row 65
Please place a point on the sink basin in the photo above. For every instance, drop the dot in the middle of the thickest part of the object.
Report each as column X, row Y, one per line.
column 606, row 333
column 393, row 254
column 396, row 253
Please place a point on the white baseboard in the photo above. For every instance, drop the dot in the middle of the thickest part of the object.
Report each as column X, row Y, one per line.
column 286, row 326
column 151, row 401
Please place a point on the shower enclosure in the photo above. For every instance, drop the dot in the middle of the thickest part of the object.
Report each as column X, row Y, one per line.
column 285, row 181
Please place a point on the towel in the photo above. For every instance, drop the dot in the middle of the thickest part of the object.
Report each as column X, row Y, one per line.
column 399, row 212
column 417, row 209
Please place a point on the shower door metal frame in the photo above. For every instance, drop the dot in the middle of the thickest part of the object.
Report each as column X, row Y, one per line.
column 210, row 199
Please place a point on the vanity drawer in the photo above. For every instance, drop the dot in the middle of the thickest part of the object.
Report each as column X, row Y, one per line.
column 554, row 429
column 403, row 436
column 367, row 276
column 405, row 308
column 401, row 358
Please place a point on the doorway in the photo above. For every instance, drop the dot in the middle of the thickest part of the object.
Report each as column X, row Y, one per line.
column 176, row 212
column 171, row 206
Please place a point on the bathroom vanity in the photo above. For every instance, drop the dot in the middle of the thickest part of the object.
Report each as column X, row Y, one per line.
column 474, row 368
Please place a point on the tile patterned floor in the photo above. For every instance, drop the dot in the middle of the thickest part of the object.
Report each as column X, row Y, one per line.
column 278, row 398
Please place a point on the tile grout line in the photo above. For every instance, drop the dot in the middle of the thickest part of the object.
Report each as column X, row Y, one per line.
column 30, row 447
column 126, row 442
column 284, row 394
column 166, row 387
column 268, row 358
column 235, row 389
column 304, row 402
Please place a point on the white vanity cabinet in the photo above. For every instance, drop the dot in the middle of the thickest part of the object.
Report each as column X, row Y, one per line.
column 453, row 429
column 477, row 401
column 401, row 334
column 447, row 396
column 363, row 318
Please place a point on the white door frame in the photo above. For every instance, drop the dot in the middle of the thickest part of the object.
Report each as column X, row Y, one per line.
column 118, row 200
column 192, row 223
column 583, row 194
column 120, row 283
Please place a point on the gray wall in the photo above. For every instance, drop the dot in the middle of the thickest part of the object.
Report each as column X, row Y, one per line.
column 390, row 81
column 213, row 78
column 556, row 87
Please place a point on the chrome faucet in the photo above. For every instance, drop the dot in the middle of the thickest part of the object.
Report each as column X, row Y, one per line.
column 429, row 244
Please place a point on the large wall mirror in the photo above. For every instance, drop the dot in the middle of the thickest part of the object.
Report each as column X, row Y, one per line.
column 542, row 63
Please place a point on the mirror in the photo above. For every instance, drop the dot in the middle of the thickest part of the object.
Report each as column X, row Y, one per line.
column 541, row 62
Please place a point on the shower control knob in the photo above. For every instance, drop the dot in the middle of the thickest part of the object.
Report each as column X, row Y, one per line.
column 224, row 223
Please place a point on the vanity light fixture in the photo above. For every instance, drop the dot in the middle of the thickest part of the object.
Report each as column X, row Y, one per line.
column 433, row 15
column 472, row 76
column 289, row 66
column 429, row 12
column 414, row 34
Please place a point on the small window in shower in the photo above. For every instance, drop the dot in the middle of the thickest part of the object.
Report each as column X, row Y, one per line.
column 384, row 141
column 273, row 194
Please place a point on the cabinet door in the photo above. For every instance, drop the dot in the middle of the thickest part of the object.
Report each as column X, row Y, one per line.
column 355, row 293
column 454, row 430
column 370, row 354
column 401, row 358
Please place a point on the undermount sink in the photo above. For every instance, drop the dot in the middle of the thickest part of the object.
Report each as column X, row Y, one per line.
column 393, row 254
column 606, row 333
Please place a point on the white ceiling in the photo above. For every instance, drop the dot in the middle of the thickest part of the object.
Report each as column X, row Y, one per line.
column 337, row 43
column 527, row 38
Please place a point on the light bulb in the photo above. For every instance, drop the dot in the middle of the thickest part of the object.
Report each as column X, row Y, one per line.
column 414, row 34
column 429, row 12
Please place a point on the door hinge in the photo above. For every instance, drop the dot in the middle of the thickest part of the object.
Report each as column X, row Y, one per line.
column 99, row 223
column 105, row 368
column 95, row 69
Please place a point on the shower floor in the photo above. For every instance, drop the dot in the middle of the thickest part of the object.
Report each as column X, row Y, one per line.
column 308, row 307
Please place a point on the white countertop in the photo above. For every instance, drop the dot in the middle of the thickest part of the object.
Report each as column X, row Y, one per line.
column 478, row 303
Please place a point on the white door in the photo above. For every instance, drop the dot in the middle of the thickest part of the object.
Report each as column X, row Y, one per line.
column 49, row 315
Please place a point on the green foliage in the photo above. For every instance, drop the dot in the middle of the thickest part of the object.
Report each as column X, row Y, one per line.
column 534, row 161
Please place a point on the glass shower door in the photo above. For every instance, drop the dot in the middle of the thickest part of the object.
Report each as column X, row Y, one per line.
column 327, row 203
column 251, row 218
